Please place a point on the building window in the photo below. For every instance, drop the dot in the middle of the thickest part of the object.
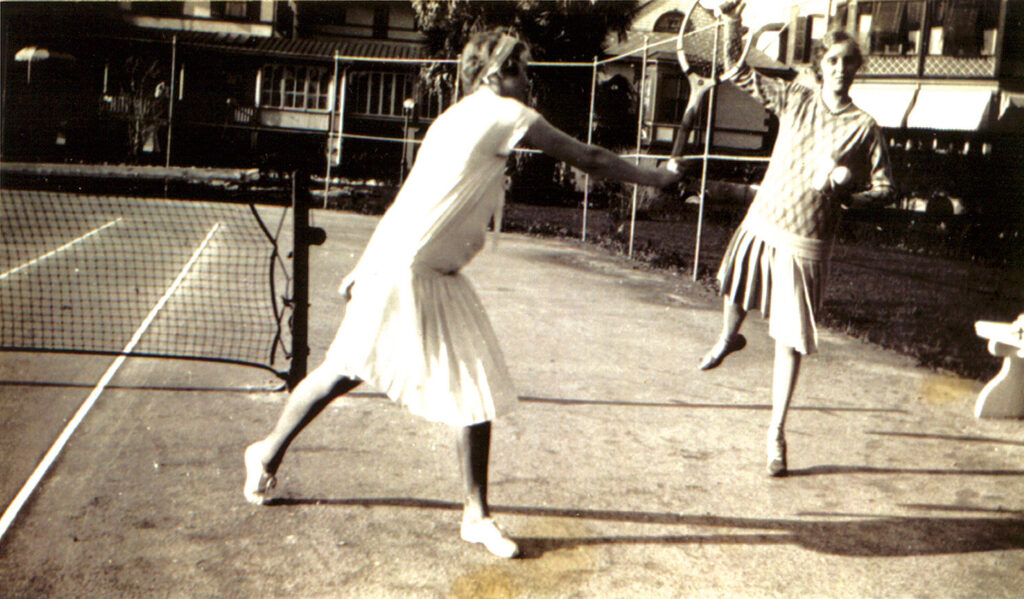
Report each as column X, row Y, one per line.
column 230, row 10
column 295, row 87
column 669, row 22
column 383, row 94
column 954, row 27
column 817, row 27
column 158, row 9
column 380, row 22
column 964, row 28
column 890, row 27
column 840, row 15
column 376, row 93
column 670, row 102
column 804, row 39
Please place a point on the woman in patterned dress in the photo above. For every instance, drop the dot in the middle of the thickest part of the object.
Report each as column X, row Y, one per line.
column 777, row 260
column 413, row 325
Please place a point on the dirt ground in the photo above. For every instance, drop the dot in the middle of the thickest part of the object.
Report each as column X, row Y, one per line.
column 623, row 473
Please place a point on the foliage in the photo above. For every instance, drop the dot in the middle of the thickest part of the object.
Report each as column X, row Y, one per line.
column 557, row 31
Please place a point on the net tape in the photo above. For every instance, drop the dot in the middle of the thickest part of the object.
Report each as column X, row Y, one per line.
column 80, row 273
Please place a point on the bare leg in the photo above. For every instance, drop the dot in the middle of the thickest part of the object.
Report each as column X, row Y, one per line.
column 730, row 340
column 784, row 375
column 732, row 317
column 474, row 447
column 306, row 401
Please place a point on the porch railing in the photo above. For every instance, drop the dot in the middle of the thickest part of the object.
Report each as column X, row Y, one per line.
column 959, row 66
column 955, row 67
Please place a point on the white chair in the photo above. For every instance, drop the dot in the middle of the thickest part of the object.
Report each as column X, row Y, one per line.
column 1003, row 396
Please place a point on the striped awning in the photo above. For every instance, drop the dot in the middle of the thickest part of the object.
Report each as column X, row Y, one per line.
column 951, row 108
column 888, row 104
column 306, row 48
column 1011, row 112
column 280, row 47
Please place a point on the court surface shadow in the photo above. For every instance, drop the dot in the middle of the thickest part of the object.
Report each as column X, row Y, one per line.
column 838, row 534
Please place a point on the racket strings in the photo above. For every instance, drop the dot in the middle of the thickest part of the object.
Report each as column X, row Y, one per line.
column 698, row 45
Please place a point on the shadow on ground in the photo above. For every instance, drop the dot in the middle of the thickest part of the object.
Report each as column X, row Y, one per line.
column 840, row 534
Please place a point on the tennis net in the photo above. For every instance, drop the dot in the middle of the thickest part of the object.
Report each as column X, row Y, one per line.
column 115, row 274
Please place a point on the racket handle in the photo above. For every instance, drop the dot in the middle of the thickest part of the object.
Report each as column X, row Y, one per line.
column 689, row 117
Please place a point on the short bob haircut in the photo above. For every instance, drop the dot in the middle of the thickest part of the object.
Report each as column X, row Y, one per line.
column 486, row 53
column 833, row 38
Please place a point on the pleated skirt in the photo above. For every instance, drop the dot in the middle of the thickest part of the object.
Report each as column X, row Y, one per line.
column 787, row 288
column 424, row 339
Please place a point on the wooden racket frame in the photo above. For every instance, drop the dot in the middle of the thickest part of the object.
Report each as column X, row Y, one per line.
column 700, row 85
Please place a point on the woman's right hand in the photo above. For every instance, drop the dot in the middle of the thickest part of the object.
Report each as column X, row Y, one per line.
column 728, row 8
column 667, row 176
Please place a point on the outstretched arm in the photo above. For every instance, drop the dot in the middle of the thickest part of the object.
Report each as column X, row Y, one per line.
column 592, row 159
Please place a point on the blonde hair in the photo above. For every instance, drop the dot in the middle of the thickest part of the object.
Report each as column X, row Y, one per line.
column 485, row 54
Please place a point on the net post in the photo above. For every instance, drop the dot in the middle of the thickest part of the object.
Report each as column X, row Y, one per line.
column 300, row 277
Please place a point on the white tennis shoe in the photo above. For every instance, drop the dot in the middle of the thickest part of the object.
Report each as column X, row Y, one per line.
column 487, row 533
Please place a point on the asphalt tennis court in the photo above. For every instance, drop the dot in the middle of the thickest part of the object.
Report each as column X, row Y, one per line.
column 624, row 472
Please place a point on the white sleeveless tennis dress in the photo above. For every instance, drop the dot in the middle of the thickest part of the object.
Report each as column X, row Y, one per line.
column 413, row 326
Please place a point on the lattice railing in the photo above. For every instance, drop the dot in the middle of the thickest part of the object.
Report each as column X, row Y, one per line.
column 960, row 66
column 881, row 64
column 934, row 66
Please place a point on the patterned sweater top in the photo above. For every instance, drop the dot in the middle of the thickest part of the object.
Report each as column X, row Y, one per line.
column 788, row 210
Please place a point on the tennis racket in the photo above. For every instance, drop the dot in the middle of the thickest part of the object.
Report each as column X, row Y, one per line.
column 708, row 49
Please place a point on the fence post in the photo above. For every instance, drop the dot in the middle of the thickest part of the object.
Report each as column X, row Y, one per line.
column 332, row 104
column 590, row 140
column 170, row 106
column 639, row 138
column 708, row 139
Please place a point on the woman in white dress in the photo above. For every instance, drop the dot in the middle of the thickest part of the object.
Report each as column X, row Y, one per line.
column 413, row 326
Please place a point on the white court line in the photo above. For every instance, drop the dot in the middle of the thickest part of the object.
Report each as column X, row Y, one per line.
column 60, row 249
column 33, row 481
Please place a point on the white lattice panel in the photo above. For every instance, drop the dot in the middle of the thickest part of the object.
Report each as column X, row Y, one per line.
column 889, row 65
column 959, row 66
